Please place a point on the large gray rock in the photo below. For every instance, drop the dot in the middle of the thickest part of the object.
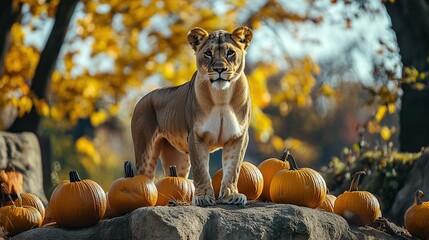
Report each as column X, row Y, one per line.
column 418, row 179
column 256, row 220
column 22, row 150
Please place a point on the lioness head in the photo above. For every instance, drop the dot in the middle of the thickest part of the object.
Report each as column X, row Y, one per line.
column 220, row 54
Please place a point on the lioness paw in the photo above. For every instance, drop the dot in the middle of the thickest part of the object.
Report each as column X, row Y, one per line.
column 234, row 199
column 204, row 200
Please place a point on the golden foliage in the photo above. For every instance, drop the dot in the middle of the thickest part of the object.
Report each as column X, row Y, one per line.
column 141, row 40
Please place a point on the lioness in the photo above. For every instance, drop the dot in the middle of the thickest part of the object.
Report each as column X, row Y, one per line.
column 184, row 124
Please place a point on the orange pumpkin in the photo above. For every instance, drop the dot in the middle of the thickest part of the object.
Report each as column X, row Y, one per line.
column 109, row 211
column 131, row 192
column 174, row 188
column 49, row 219
column 328, row 204
column 250, row 181
column 298, row 186
column 18, row 218
column 416, row 218
column 357, row 207
column 269, row 168
column 78, row 203
column 29, row 199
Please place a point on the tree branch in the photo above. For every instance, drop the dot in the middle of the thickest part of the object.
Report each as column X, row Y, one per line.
column 48, row 58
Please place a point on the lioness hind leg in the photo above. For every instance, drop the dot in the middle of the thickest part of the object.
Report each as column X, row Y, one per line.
column 146, row 139
column 171, row 156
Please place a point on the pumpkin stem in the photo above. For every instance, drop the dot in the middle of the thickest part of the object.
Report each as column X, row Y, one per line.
column 7, row 193
column 291, row 161
column 173, row 172
column 128, row 170
column 418, row 197
column 355, row 181
column 285, row 155
column 74, row 176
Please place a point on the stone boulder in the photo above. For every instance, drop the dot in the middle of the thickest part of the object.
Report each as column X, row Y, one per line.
column 22, row 150
column 256, row 220
column 418, row 179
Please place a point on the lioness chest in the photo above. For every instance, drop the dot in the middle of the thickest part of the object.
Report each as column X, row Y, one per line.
column 215, row 128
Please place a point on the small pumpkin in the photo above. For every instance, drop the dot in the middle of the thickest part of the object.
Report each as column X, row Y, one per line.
column 174, row 188
column 328, row 204
column 299, row 186
column 269, row 168
column 416, row 218
column 131, row 192
column 29, row 199
column 357, row 207
column 77, row 203
column 18, row 218
column 250, row 181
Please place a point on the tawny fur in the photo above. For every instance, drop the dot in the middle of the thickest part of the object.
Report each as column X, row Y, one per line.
column 183, row 124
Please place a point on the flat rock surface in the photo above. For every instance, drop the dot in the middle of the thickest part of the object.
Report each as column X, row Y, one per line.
column 256, row 220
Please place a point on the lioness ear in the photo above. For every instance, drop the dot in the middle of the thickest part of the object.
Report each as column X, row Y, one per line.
column 196, row 37
column 242, row 35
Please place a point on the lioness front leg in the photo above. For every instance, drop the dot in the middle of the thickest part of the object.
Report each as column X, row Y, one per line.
column 199, row 154
column 232, row 157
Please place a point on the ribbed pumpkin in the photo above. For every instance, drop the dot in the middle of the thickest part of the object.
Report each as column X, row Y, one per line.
column 109, row 211
column 328, row 204
column 250, row 181
column 269, row 168
column 18, row 218
column 78, row 203
column 357, row 207
column 29, row 199
column 131, row 192
column 174, row 188
column 298, row 186
column 416, row 218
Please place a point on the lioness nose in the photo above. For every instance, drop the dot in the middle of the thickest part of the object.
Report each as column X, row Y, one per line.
column 219, row 67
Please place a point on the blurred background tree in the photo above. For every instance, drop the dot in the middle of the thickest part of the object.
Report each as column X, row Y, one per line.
column 408, row 20
column 320, row 72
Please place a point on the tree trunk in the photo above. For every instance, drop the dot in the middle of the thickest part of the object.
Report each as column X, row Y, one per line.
column 410, row 21
column 48, row 58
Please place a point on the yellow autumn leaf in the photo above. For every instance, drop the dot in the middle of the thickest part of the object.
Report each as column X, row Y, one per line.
column 391, row 107
column 277, row 143
column 373, row 127
column 24, row 104
column 17, row 32
column 113, row 110
column 327, row 90
column 385, row 133
column 57, row 114
column 85, row 146
column 98, row 118
column 42, row 108
column 381, row 111
column 419, row 86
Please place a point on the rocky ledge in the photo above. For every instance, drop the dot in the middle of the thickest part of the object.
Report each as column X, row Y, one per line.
column 256, row 220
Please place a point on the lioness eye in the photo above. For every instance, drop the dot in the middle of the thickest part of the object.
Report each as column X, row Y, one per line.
column 230, row 53
column 208, row 54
